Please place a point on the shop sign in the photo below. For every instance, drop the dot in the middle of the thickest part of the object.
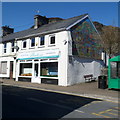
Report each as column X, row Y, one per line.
column 49, row 53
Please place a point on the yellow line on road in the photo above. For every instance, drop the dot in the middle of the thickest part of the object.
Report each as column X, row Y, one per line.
column 112, row 113
column 101, row 115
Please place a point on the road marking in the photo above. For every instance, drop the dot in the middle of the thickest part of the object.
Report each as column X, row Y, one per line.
column 112, row 113
column 109, row 111
column 56, row 105
column 79, row 111
column 101, row 115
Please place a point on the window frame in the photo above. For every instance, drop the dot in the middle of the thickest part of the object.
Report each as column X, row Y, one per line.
column 40, row 41
column 31, row 42
column 5, row 48
column 12, row 47
column 23, row 44
column 52, row 44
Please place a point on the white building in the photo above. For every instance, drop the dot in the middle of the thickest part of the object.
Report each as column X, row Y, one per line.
column 53, row 51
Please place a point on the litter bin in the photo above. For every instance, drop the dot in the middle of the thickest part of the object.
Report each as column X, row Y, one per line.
column 102, row 82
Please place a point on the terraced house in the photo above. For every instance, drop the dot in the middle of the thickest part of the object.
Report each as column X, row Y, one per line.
column 54, row 51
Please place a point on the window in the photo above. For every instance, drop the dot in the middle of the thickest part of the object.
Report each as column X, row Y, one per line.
column 24, row 43
column 32, row 42
column 52, row 40
column 115, row 70
column 25, row 69
column 5, row 47
column 12, row 47
column 42, row 41
column 49, row 69
column 3, row 67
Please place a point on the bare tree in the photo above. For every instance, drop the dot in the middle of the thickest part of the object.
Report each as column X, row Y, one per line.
column 110, row 40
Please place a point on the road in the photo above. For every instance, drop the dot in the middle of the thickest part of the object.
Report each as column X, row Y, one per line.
column 18, row 102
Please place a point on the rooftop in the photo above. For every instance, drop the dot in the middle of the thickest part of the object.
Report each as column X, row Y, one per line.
column 44, row 29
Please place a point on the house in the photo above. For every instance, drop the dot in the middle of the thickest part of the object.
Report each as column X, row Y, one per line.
column 53, row 51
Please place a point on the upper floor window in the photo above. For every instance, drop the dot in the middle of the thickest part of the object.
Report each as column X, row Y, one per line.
column 24, row 44
column 32, row 44
column 5, row 47
column 42, row 41
column 52, row 40
column 12, row 46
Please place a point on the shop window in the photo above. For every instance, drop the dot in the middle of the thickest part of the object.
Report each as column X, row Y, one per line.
column 3, row 67
column 32, row 42
column 49, row 69
column 52, row 40
column 5, row 47
column 24, row 44
column 42, row 41
column 12, row 46
column 25, row 69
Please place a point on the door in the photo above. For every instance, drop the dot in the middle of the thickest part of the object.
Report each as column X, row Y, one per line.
column 11, row 69
column 36, row 69
column 36, row 78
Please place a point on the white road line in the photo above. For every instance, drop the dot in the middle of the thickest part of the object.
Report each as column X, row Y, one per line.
column 56, row 105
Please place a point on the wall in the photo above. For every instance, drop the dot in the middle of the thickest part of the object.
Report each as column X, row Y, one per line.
column 86, row 41
column 8, row 56
column 78, row 67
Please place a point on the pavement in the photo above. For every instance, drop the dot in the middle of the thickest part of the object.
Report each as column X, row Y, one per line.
column 89, row 90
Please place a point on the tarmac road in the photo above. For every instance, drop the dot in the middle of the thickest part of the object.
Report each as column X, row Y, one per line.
column 22, row 103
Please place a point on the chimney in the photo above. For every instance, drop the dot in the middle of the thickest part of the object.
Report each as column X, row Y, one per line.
column 39, row 21
column 6, row 30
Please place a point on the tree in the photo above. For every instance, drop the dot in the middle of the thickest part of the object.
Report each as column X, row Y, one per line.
column 110, row 40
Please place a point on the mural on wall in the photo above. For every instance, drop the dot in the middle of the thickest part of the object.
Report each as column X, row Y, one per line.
column 85, row 43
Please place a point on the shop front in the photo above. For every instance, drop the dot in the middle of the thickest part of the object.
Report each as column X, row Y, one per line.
column 38, row 66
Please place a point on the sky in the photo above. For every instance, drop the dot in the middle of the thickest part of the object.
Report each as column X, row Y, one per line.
column 20, row 15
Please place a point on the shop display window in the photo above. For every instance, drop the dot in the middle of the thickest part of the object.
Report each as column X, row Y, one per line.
column 25, row 69
column 49, row 69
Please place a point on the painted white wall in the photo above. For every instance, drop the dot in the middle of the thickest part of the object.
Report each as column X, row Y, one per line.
column 62, row 37
column 80, row 67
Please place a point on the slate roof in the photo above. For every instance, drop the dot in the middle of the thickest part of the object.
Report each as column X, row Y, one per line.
column 45, row 29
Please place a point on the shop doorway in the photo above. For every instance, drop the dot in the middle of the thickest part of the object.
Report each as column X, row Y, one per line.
column 36, row 70
column 11, row 69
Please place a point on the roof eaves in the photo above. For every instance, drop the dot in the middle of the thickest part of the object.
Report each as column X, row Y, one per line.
column 43, row 33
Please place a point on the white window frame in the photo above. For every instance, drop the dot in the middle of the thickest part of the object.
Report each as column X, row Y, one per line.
column 40, row 41
column 4, row 48
column 23, row 45
column 12, row 47
column 50, row 40
column 31, row 42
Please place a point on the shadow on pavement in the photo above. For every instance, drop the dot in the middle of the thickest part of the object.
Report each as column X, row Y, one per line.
column 28, row 103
